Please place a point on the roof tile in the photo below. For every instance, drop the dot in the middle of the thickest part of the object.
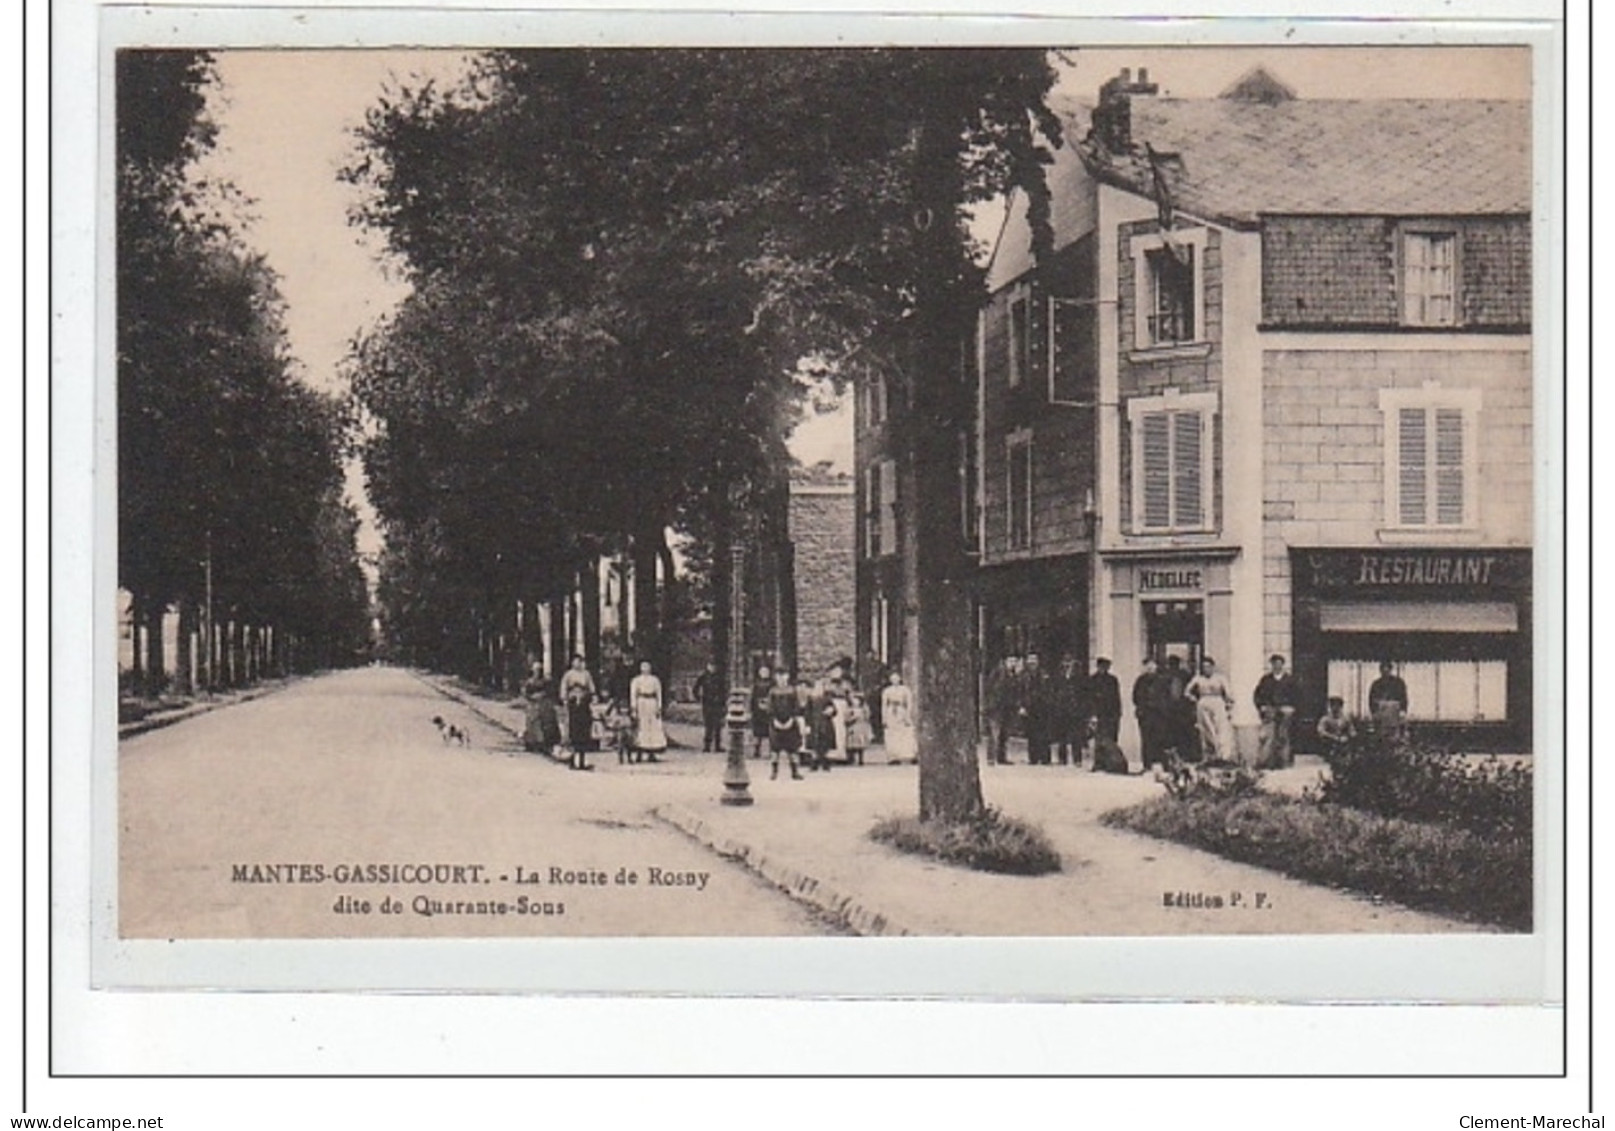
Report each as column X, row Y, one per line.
column 1235, row 160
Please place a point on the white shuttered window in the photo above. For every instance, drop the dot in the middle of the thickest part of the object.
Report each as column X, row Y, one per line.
column 1172, row 462
column 1431, row 456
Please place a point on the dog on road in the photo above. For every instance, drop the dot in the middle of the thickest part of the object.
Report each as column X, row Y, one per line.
column 449, row 732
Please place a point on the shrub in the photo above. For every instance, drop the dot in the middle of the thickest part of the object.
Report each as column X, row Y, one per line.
column 1189, row 781
column 1395, row 778
column 990, row 842
column 1439, row 867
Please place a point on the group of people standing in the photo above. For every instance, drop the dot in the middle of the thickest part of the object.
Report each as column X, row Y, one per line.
column 571, row 717
column 1182, row 713
column 819, row 722
column 1189, row 716
column 1059, row 711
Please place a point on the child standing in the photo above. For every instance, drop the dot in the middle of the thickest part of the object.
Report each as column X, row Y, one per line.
column 784, row 725
column 859, row 732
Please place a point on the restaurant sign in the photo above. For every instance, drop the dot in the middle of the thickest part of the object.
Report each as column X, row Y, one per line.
column 1379, row 570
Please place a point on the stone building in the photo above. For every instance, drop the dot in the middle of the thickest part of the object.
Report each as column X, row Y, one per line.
column 822, row 525
column 1315, row 395
column 1037, row 366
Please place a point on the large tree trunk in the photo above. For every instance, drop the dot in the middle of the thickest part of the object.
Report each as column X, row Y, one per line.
column 183, row 683
column 560, row 642
column 647, row 604
column 238, row 659
column 723, row 583
column 935, row 567
column 776, row 531
column 662, row 653
column 137, row 658
column 589, row 590
column 255, row 669
column 156, row 668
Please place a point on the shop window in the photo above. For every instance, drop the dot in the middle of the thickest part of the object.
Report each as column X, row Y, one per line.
column 1429, row 278
column 1431, row 470
column 1169, row 288
column 1439, row 691
column 1020, row 489
column 1172, row 468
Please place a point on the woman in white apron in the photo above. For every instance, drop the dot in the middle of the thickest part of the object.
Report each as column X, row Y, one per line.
column 897, row 711
column 1211, row 696
column 645, row 708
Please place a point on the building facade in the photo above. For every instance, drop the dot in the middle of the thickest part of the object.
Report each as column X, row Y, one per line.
column 823, row 521
column 1315, row 386
column 1037, row 390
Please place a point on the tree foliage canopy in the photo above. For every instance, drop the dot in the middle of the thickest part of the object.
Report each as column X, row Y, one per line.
column 224, row 456
column 621, row 258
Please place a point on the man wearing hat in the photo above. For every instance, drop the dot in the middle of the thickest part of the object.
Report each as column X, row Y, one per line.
column 1105, row 700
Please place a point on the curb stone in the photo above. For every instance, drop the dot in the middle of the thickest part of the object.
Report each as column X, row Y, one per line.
column 160, row 719
column 844, row 909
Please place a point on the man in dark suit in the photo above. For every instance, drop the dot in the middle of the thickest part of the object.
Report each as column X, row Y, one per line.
column 1388, row 700
column 1150, row 697
column 1105, row 697
column 1071, row 711
column 711, row 693
column 1039, row 710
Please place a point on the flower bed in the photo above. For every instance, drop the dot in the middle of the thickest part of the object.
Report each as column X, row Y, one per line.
column 1428, row 865
column 990, row 843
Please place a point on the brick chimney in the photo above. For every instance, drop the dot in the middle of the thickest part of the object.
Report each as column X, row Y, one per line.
column 1113, row 117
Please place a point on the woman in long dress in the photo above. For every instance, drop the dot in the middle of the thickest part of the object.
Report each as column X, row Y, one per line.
column 542, row 734
column 577, row 695
column 897, row 712
column 1211, row 696
column 645, row 699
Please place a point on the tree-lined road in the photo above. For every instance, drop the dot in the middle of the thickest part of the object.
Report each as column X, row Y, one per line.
column 247, row 822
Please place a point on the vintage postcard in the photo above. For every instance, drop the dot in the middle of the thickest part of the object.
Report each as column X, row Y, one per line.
column 989, row 518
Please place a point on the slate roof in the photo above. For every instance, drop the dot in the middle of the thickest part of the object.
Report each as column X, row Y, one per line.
column 1398, row 157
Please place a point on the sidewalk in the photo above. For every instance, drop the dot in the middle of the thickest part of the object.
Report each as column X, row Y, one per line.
column 810, row 838
column 169, row 715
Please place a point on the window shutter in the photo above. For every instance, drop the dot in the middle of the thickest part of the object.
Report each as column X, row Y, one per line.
column 1019, row 335
column 1449, row 466
column 1439, row 280
column 1411, row 458
column 1072, row 374
column 872, row 511
column 1415, row 284
column 888, row 506
column 1020, row 490
column 1186, row 477
column 1157, row 477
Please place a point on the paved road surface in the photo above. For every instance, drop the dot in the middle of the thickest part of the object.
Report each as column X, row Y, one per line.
column 347, row 771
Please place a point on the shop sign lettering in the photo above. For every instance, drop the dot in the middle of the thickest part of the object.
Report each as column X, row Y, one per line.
column 1424, row 569
column 1156, row 580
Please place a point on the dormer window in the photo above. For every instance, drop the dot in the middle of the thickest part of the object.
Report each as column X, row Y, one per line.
column 1429, row 278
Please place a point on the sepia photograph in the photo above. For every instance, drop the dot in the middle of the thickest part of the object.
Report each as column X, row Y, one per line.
column 1012, row 492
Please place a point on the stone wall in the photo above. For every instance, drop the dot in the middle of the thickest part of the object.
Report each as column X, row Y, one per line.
column 823, row 532
column 1324, row 451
